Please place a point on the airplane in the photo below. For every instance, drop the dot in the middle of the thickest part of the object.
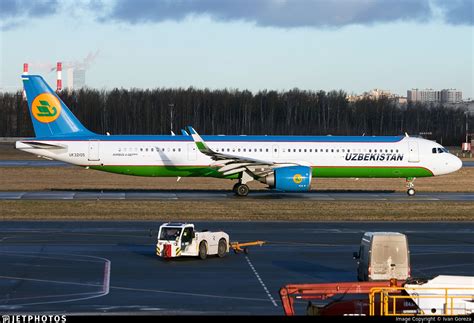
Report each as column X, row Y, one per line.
column 284, row 163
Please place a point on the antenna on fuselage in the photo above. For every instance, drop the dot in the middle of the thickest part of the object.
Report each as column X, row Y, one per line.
column 406, row 135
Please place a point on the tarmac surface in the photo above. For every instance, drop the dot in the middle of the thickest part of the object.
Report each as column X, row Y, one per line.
column 225, row 195
column 55, row 163
column 111, row 267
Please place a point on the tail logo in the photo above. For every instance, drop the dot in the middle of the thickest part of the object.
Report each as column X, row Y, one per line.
column 46, row 108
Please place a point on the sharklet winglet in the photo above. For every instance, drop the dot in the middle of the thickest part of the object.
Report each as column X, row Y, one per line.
column 200, row 144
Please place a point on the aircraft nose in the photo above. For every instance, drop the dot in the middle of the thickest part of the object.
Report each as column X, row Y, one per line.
column 457, row 163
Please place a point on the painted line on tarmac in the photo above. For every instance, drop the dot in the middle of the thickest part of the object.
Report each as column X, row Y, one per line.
column 186, row 294
column 445, row 266
column 104, row 291
column 261, row 281
column 440, row 253
column 47, row 296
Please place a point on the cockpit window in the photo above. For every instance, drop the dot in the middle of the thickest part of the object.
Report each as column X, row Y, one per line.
column 439, row 150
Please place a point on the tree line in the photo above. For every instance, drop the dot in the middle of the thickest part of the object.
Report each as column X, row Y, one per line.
column 293, row 112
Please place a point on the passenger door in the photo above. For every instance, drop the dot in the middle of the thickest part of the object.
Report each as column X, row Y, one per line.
column 93, row 152
column 192, row 152
column 413, row 153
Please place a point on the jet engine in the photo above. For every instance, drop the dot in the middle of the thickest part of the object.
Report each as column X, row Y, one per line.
column 290, row 179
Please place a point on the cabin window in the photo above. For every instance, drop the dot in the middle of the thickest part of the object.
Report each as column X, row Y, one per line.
column 261, row 150
column 267, row 150
column 332, row 150
column 174, row 149
column 141, row 149
column 275, row 150
column 146, row 149
column 315, row 150
column 311, row 150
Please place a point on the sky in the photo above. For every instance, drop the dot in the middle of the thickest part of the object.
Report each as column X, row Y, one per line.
column 352, row 45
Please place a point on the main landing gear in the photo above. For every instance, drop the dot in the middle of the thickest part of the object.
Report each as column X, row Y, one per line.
column 241, row 188
column 411, row 187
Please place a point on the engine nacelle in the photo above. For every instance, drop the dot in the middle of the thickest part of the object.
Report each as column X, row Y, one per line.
column 290, row 179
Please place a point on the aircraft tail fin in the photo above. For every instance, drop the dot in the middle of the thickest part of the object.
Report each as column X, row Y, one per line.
column 49, row 114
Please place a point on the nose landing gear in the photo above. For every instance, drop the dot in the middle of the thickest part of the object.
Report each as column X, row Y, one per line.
column 411, row 187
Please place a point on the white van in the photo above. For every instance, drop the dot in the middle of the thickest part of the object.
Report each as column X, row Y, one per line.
column 382, row 256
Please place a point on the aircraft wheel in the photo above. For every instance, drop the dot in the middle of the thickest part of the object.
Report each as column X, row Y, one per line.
column 411, row 192
column 234, row 189
column 202, row 250
column 242, row 190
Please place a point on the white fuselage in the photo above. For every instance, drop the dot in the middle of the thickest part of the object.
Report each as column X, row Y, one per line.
column 408, row 152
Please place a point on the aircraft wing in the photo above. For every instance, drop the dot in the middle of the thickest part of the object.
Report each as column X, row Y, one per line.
column 229, row 164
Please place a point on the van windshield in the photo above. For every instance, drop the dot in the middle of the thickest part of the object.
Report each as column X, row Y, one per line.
column 394, row 252
column 169, row 233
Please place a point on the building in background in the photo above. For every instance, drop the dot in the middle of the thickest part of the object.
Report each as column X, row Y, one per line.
column 76, row 78
column 430, row 95
column 374, row 94
column 451, row 96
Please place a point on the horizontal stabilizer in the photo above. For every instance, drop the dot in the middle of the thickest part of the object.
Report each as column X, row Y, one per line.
column 41, row 145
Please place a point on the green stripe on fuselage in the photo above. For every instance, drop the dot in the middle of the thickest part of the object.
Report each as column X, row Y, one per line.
column 202, row 171
column 164, row 171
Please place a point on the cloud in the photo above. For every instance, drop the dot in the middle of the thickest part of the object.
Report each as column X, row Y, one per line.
column 14, row 12
column 457, row 12
column 274, row 13
column 268, row 13
column 28, row 8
